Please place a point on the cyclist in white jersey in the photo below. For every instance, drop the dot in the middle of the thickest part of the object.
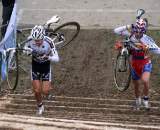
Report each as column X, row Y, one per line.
column 43, row 52
column 140, row 60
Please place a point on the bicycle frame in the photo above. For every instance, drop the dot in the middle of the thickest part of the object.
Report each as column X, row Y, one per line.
column 10, row 62
column 10, row 55
column 47, row 26
column 124, row 51
column 54, row 19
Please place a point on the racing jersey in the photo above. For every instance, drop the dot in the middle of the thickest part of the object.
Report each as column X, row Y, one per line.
column 136, row 52
column 139, row 58
column 46, row 48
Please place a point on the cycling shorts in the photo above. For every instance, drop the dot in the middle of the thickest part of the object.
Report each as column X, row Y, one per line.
column 41, row 71
column 146, row 68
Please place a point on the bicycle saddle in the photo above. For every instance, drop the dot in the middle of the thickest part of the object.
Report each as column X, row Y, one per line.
column 54, row 19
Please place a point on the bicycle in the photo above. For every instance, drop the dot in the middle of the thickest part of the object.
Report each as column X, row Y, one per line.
column 60, row 31
column 122, row 70
column 59, row 36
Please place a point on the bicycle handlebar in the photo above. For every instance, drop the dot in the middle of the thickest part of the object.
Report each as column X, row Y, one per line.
column 127, row 41
column 140, row 12
column 14, row 49
column 25, row 41
column 53, row 19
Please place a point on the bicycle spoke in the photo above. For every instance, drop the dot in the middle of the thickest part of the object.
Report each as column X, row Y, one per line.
column 122, row 75
column 12, row 70
column 70, row 30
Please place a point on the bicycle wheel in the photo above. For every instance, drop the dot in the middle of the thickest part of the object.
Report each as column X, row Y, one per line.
column 70, row 30
column 122, row 72
column 12, row 70
column 24, row 69
column 1, row 75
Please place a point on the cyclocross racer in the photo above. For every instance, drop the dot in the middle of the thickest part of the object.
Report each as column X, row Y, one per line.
column 43, row 52
column 140, row 61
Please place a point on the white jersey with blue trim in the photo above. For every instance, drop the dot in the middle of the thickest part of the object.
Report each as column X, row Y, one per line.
column 145, row 39
column 46, row 48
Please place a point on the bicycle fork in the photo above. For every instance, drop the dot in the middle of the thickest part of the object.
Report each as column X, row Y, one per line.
column 122, row 60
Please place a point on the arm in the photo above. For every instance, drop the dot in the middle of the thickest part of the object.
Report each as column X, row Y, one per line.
column 123, row 30
column 142, row 46
column 153, row 48
column 53, row 54
column 54, row 57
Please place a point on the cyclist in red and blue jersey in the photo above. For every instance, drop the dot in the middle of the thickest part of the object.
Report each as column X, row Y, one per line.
column 140, row 60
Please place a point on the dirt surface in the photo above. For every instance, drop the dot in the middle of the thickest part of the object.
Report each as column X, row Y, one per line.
column 86, row 68
column 5, row 128
column 84, row 88
column 85, row 96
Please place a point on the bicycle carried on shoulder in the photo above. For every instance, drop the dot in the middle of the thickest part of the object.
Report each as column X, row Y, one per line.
column 67, row 31
column 62, row 35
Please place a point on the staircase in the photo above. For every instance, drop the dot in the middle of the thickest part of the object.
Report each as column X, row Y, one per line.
column 88, row 113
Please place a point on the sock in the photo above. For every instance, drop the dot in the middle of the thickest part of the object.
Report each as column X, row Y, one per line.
column 145, row 98
column 40, row 104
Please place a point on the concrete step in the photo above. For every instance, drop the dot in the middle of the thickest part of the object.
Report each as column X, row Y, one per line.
column 114, row 118
column 85, row 100
column 68, row 123
column 85, row 109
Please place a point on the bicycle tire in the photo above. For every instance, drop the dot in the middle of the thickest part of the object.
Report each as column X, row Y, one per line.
column 122, row 78
column 2, row 72
column 12, row 73
column 1, row 81
column 74, row 28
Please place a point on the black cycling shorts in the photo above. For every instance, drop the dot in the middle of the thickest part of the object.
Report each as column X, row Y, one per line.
column 41, row 71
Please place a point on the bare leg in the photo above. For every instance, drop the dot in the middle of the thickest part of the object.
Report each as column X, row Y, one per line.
column 136, row 88
column 37, row 91
column 46, row 87
column 145, row 80
column 137, row 94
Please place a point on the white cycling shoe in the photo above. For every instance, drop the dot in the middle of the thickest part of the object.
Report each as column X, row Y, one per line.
column 146, row 104
column 138, row 103
column 40, row 110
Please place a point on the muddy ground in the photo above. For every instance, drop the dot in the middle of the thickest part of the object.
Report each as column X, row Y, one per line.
column 86, row 68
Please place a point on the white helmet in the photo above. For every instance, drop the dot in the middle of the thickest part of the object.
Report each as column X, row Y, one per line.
column 38, row 32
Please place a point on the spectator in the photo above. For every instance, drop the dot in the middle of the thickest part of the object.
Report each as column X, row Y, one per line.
column 6, row 14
